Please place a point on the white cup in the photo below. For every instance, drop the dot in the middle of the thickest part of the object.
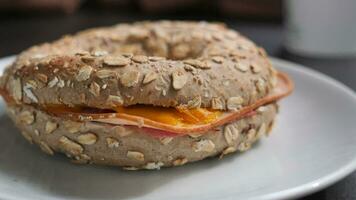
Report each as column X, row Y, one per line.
column 322, row 28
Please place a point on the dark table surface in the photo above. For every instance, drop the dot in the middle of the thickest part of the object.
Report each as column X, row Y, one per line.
column 18, row 32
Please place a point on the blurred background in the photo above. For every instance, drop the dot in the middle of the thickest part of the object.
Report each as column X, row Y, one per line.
column 320, row 34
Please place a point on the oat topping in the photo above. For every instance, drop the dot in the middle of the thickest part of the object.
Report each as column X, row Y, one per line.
column 140, row 59
column 27, row 89
column 262, row 130
column 197, row 64
column 72, row 127
column 218, row 59
column 231, row 134
column 99, row 53
column 130, row 78
column 179, row 79
column 234, row 103
column 16, row 89
column 50, row 127
column 36, row 132
column 153, row 165
column 42, row 77
column 260, row 85
column 204, row 145
column 130, row 168
column 84, row 73
column 135, row 155
column 121, row 131
column 255, row 69
column 243, row 67
column 227, row 150
column 116, row 61
column 166, row 140
column 180, row 161
column 94, row 89
column 105, row 73
column 87, row 139
column 194, row 103
column 115, row 100
column 217, row 103
column 53, row 82
column 27, row 136
column 45, row 148
column 149, row 77
column 27, row 117
column 155, row 58
column 87, row 58
column 70, row 147
column 244, row 146
column 112, row 142
column 180, row 51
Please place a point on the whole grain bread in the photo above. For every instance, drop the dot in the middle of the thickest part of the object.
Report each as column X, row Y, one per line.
column 161, row 63
column 131, row 147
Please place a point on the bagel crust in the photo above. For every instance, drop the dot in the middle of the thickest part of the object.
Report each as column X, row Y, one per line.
column 161, row 63
column 131, row 147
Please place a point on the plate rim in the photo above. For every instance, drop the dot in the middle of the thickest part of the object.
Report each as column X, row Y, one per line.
column 331, row 178
column 306, row 188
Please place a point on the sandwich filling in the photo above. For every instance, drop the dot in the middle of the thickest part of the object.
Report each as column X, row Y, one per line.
column 179, row 120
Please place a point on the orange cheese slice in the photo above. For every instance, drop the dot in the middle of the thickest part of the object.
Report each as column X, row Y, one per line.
column 180, row 116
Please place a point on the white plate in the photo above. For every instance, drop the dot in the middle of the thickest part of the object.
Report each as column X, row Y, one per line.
column 312, row 146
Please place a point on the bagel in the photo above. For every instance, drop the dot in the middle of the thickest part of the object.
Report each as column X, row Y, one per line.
column 144, row 95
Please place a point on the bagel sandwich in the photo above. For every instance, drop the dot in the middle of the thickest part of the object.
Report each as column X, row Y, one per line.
column 144, row 95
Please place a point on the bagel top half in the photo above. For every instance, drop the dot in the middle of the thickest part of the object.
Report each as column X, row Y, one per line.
column 162, row 64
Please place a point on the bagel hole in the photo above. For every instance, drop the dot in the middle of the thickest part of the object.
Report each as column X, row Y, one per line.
column 157, row 47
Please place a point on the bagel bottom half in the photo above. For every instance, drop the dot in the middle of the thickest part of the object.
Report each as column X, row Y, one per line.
column 133, row 147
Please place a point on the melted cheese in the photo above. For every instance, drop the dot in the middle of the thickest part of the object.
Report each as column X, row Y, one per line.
column 179, row 116
column 172, row 116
